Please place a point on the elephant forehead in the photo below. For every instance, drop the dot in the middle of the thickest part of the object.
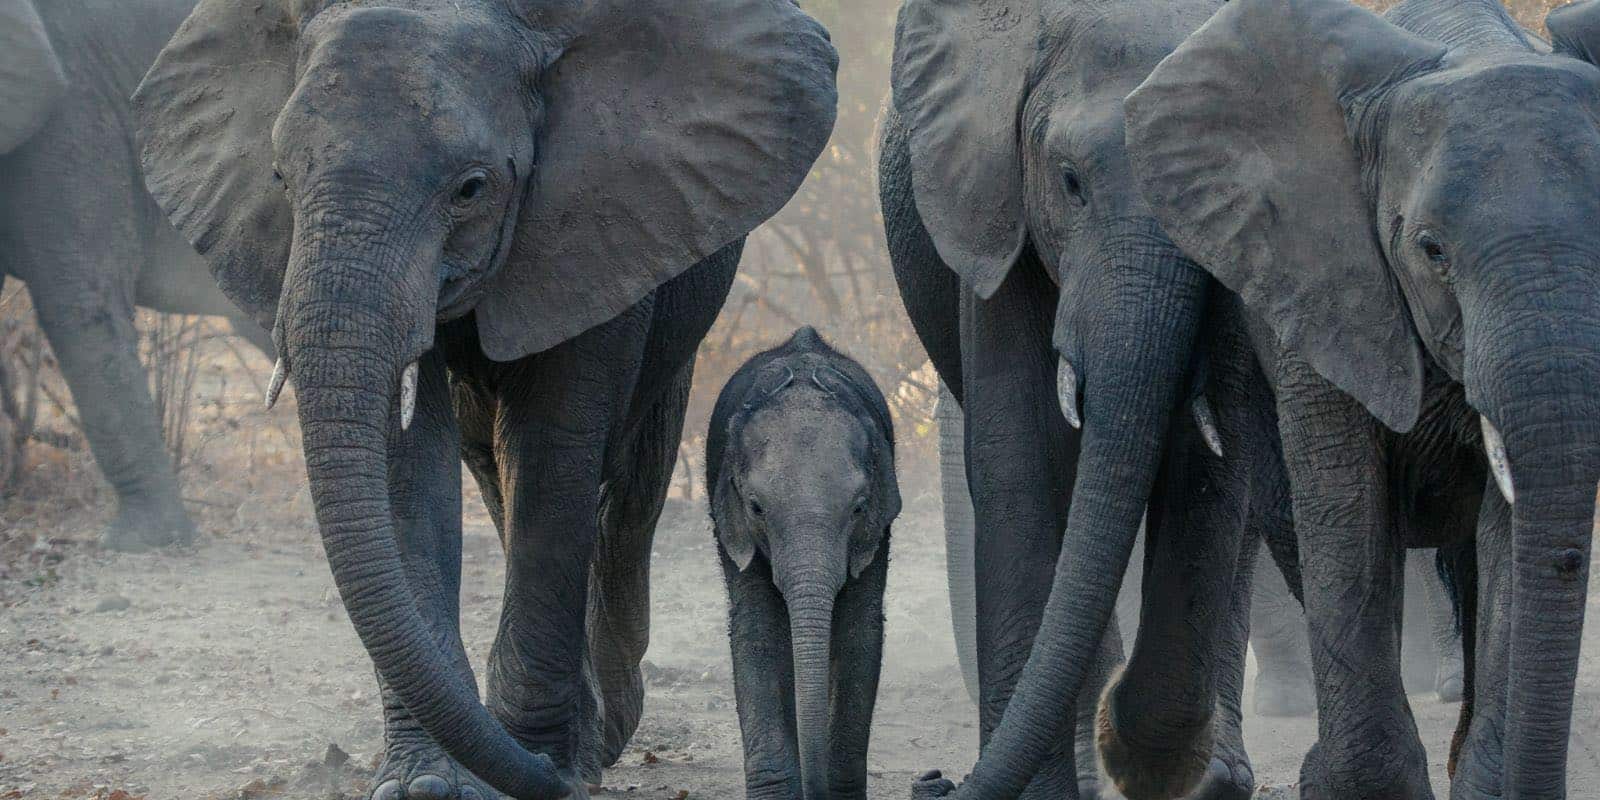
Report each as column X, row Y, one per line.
column 803, row 435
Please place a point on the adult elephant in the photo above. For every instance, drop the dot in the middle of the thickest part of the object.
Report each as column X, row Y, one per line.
column 78, row 227
column 1409, row 203
column 1046, row 296
column 496, row 231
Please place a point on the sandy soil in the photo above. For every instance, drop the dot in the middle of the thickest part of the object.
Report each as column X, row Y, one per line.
column 230, row 671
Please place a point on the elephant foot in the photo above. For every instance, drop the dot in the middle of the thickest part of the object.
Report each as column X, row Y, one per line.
column 424, row 772
column 1096, row 789
column 1449, row 681
column 932, row 784
column 1224, row 781
column 139, row 527
column 1383, row 776
column 1278, row 696
column 1143, row 773
column 623, row 705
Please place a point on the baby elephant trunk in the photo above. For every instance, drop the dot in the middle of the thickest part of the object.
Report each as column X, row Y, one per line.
column 810, row 598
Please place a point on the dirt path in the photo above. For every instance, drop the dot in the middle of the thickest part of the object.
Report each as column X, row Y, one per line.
column 231, row 672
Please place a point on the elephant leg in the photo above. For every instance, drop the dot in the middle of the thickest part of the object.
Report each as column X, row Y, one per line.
column 1441, row 622
column 1106, row 665
column 1283, row 656
column 1480, row 754
column 1156, row 733
column 90, row 327
column 1367, row 744
column 557, row 414
column 425, row 493
column 763, row 680
column 958, row 535
column 1418, row 661
column 1021, row 465
column 619, row 592
column 857, row 657
column 1230, row 774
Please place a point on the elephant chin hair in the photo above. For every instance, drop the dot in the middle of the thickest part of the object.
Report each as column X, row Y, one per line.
column 1145, row 774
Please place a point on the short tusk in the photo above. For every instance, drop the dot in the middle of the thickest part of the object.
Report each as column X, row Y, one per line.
column 1206, row 419
column 1067, row 389
column 408, row 395
column 280, row 374
column 1495, row 448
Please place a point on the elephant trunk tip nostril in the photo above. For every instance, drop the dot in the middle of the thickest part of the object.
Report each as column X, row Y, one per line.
column 1569, row 563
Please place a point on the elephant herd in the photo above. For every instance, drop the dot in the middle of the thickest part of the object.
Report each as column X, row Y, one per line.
column 1264, row 271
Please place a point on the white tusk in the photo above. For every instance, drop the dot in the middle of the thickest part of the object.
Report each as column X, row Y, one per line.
column 1495, row 448
column 280, row 374
column 1067, row 389
column 1207, row 422
column 408, row 395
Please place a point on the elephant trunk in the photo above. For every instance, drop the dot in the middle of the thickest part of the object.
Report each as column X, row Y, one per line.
column 1543, row 399
column 810, row 593
column 1138, row 332
column 347, row 355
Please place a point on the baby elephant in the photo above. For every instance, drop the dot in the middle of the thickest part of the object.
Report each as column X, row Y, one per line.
column 800, row 472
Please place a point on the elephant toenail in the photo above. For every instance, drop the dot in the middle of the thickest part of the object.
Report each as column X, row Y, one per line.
column 428, row 787
column 388, row 790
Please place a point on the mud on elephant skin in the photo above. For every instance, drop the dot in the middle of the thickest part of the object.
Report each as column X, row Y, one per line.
column 493, row 231
column 1407, row 202
column 801, row 475
column 1099, row 372
column 78, row 227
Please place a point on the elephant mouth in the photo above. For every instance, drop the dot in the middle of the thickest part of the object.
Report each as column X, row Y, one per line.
column 458, row 294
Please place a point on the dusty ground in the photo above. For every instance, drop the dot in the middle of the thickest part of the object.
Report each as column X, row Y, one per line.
column 230, row 671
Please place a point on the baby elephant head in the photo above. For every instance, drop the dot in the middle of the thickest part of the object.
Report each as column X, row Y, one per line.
column 803, row 476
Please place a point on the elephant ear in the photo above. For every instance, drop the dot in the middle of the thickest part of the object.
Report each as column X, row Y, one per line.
column 1241, row 142
column 731, row 522
column 1575, row 30
column 960, row 69
column 205, row 112
column 30, row 75
column 672, row 128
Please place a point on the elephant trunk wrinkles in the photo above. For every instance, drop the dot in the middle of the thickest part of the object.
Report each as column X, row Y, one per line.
column 810, row 598
column 1546, row 404
column 338, row 318
column 1137, row 351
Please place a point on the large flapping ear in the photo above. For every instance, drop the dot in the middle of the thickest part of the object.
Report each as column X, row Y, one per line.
column 960, row 69
column 205, row 113
column 1575, row 30
column 672, row 128
column 30, row 74
column 1240, row 142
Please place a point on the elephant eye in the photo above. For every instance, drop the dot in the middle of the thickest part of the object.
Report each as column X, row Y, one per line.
column 1073, row 184
column 1434, row 251
column 471, row 188
column 756, row 509
column 860, row 508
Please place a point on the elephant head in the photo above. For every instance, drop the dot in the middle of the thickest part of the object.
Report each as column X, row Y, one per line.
column 1014, row 110
column 30, row 74
column 803, row 474
column 1376, row 196
column 357, row 172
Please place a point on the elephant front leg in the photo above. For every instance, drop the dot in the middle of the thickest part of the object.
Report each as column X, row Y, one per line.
column 857, row 657
column 1021, row 467
column 1367, row 744
column 1479, row 756
column 425, row 493
column 763, row 681
column 538, row 682
column 1158, row 724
